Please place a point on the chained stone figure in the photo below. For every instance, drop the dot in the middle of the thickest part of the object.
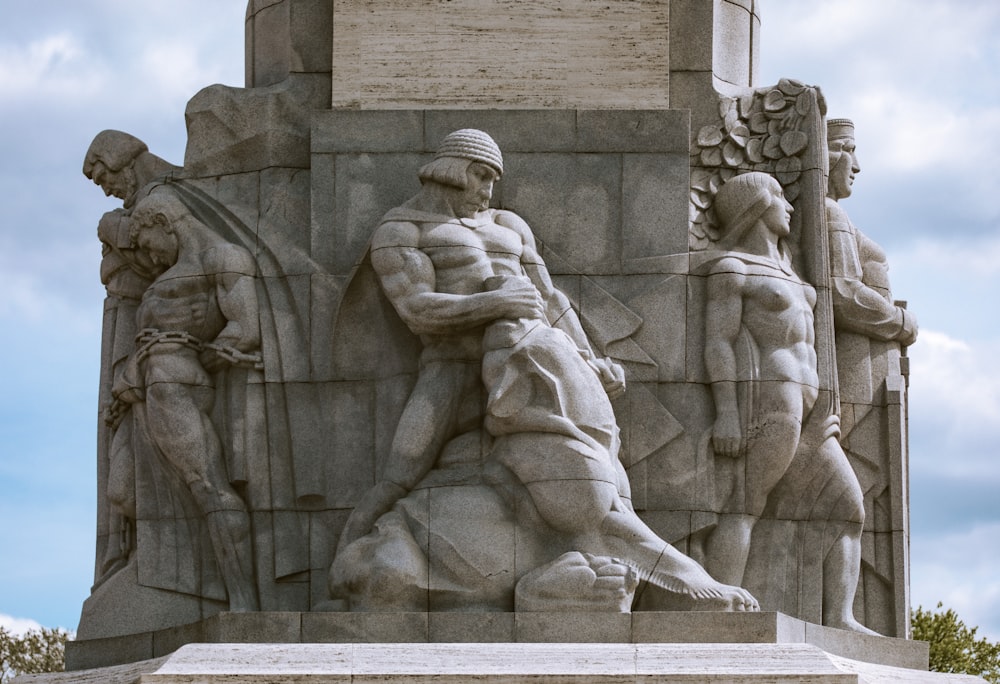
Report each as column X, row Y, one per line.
column 199, row 314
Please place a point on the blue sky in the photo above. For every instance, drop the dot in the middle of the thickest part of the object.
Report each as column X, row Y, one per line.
column 921, row 79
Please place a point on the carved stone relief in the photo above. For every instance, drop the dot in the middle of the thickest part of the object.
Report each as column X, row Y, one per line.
column 872, row 333
column 773, row 443
column 430, row 416
column 330, row 384
column 536, row 421
column 477, row 455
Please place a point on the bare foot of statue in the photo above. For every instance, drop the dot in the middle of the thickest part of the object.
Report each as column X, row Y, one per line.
column 679, row 574
column 849, row 623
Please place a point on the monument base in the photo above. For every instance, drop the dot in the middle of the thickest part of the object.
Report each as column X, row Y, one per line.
column 498, row 647
column 503, row 663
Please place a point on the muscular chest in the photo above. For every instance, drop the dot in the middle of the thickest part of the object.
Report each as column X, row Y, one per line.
column 176, row 300
column 454, row 246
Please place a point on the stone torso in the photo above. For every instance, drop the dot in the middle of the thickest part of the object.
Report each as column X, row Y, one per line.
column 182, row 299
column 778, row 314
column 465, row 252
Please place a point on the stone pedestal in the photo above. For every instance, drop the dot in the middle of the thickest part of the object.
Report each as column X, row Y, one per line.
column 500, row 647
column 322, row 647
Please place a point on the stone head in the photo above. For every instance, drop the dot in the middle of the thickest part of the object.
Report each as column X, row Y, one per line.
column 110, row 161
column 155, row 225
column 842, row 156
column 467, row 163
column 748, row 198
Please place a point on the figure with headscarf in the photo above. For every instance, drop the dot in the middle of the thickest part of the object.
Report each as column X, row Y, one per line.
column 872, row 333
column 770, row 434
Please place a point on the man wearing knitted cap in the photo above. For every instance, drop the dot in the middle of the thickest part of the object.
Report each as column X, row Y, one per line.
column 433, row 256
column 504, row 356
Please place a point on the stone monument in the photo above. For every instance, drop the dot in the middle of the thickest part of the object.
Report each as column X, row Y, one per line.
column 514, row 322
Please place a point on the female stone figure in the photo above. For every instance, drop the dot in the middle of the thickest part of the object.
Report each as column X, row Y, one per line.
column 761, row 361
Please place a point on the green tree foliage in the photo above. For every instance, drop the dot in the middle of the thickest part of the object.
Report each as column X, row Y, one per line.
column 38, row 651
column 954, row 647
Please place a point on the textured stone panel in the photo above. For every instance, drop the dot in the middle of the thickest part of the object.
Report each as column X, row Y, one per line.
column 451, row 53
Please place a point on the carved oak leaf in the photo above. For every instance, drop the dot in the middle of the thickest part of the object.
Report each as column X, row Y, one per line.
column 772, row 147
column 788, row 170
column 793, row 142
column 791, row 87
column 740, row 135
column 709, row 136
column 732, row 154
column 774, row 101
column 803, row 103
column 711, row 156
column 759, row 122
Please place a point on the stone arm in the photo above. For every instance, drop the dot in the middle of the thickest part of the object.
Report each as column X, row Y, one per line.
column 125, row 270
column 723, row 319
column 558, row 310
column 236, row 293
column 857, row 307
column 407, row 276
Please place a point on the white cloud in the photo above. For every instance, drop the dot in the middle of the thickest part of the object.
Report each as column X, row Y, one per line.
column 955, row 395
column 950, row 280
column 906, row 131
column 965, row 258
column 53, row 66
column 927, row 98
column 176, row 70
column 46, row 287
column 18, row 626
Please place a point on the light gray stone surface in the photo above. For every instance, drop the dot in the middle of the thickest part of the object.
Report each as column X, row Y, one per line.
column 616, row 178
column 743, row 663
column 494, row 627
column 872, row 333
column 775, row 445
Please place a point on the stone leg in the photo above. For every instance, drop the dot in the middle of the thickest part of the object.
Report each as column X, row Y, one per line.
column 430, row 418
column 179, row 424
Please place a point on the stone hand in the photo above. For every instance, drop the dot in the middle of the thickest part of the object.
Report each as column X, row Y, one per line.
column 521, row 299
column 908, row 334
column 727, row 438
column 612, row 376
column 127, row 386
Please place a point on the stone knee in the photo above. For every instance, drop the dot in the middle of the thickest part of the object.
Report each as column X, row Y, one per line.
column 573, row 506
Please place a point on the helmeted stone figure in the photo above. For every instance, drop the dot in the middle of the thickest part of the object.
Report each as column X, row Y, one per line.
column 872, row 333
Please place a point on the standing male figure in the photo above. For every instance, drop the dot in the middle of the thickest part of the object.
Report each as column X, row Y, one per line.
column 872, row 332
column 120, row 164
column 200, row 313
